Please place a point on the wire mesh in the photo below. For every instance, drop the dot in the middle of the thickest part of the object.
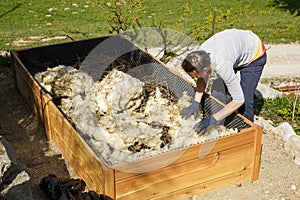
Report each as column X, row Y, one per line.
column 88, row 55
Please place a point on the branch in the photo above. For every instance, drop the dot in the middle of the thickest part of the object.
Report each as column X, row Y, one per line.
column 99, row 6
column 213, row 22
column 295, row 103
column 138, row 23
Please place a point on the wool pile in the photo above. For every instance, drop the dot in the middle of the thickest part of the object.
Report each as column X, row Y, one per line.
column 122, row 118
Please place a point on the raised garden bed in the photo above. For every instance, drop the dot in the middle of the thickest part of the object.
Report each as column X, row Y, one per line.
column 178, row 174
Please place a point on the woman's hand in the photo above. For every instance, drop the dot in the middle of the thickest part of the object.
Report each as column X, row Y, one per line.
column 191, row 110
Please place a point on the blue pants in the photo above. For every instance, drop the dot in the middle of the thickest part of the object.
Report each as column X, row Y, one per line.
column 250, row 76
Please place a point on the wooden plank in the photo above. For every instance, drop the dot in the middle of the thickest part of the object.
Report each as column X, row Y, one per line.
column 147, row 164
column 202, row 163
column 46, row 98
column 157, row 190
column 81, row 163
column 211, row 147
column 185, row 154
column 85, row 163
column 186, row 174
column 287, row 88
column 26, row 91
column 109, row 185
column 70, row 138
column 205, row 187
column 257, row 153
column 29, row 89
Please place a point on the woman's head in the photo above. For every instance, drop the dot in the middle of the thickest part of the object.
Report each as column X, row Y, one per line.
column 197, row 64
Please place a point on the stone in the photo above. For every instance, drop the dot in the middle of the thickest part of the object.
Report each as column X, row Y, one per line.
column 297, row 193
column 267, row 92
column 292, row 145
column 14, row 181
column 284, row 131
column 266, row 124
column 19, row 189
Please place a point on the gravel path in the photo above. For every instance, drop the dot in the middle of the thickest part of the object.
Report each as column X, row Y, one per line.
column 283, row 60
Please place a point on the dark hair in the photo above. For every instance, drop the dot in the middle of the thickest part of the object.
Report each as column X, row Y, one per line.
column 197, row 60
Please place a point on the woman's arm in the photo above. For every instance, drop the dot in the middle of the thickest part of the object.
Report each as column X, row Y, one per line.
column 198, row 96
column 227, row 110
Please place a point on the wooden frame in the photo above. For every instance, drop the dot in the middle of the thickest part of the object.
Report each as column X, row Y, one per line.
column 231, row 160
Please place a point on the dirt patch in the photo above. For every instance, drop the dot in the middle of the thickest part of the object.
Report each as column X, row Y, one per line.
column 26, row 134
column 33, row 39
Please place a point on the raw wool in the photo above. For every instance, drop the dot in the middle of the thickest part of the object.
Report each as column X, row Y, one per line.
column 62, row 81
column 107, row 114
column 117, row 92
column 129, row 126
column 146, row 128
column 76, row 90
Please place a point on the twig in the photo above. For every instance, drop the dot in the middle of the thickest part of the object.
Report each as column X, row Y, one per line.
column 213, row 22
column 295, row 103
column 138, row 23
column 99, row 6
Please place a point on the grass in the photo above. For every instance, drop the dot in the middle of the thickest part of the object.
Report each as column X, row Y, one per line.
column 273, row 25
column 80, row 19
column 280, row 110
column 46, row 18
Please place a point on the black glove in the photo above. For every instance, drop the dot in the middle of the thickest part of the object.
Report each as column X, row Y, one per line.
column 191, row 110
column 204, row 124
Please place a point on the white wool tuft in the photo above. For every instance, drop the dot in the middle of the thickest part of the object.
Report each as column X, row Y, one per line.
column 118, row 91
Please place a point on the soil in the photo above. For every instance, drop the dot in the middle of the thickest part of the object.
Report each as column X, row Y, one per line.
column 26, row 134
column 279, row 176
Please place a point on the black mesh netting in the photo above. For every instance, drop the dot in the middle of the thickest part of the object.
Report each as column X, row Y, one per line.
column 99, row 56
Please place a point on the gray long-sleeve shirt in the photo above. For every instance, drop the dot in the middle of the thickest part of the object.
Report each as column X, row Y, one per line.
column 230, row 49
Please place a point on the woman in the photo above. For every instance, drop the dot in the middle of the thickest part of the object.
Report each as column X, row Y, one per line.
column 222, row 56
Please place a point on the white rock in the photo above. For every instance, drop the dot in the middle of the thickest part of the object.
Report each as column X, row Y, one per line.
column 297, row 193
column 284, row 130
column 268, row 92
column 267, row 192
column 266, row 124
column 297, row 160
column 292, row 145
column 14, row 181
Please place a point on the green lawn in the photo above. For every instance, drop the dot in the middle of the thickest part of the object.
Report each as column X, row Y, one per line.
column 80, row 19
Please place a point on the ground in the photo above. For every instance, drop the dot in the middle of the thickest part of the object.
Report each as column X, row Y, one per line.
column 22, row 129
column 279, row 176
